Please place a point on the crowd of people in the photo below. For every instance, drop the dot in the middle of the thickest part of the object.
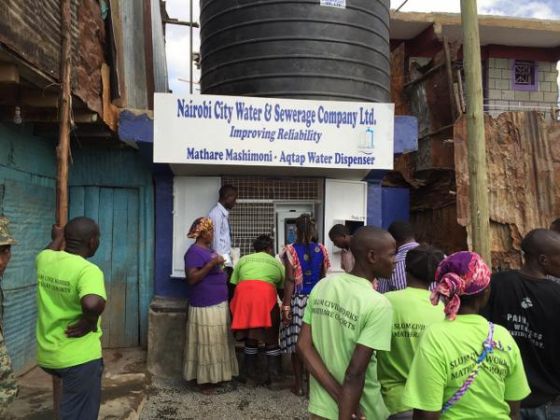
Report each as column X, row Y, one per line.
column 403, row 332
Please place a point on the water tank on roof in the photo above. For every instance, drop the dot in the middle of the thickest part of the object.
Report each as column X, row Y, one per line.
column 299, row 49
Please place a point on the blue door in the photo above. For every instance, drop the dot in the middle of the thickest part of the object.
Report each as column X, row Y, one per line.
column 117, row 212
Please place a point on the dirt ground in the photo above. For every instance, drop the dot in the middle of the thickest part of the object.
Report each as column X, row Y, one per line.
column 124, row 384
column 171, row 400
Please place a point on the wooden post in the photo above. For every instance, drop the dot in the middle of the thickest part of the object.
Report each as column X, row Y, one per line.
column 64, row 109
column 63, row 148
column 476, row 141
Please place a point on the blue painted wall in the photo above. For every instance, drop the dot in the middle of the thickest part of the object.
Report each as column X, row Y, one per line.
column 385, row 205
column 395, row 204
column 374, row 204
column 27, row 198
column 140, row 129
column 136, row 128
column 165, row 285
column 406, row 134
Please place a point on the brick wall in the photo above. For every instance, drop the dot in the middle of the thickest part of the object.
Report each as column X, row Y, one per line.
column 502, row 97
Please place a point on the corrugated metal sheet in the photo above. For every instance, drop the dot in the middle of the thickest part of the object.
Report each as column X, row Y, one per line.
column 439, row 227
column 134, row 54
column 27, row 172
column 398, row 80
column 29, row 207
column 429, row 171
column 158, row 41
column 523, row 156
column 430, row 103
column 31, row 29
column 91, row 43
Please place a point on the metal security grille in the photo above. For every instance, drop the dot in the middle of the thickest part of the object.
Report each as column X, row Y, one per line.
column 524, row 73
column 265, row 188
column 249, row 220
column 254, row 213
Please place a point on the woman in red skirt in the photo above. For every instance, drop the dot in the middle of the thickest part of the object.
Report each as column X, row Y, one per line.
column 256, row 315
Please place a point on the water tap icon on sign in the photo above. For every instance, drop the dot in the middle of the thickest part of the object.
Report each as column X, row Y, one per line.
column 368, row 139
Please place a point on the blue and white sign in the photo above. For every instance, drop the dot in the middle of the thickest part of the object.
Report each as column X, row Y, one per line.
column 229, row 130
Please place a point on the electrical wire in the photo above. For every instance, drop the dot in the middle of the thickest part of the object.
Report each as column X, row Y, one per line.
column 401, row 6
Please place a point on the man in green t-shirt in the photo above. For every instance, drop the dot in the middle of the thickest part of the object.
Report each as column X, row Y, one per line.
column 345, row 322
column 412, row 314
column 70, row 299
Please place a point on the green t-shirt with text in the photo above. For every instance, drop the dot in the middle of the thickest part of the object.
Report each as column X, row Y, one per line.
column 343, row 311
column 412, row 314
column 259, row 266
column 62, row 280
column 446, row 357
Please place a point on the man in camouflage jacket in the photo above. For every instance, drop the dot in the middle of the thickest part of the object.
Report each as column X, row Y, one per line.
column 8, row 385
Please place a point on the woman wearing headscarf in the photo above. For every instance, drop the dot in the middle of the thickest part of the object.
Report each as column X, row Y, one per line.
column 413, row 313
column 465, row 367
column 306, row 262
column 209, row 351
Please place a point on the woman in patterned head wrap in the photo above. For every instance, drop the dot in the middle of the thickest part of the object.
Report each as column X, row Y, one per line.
column 465, row 367
column 209, row 351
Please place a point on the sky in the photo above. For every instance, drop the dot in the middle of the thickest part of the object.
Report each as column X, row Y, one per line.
column 177, row 47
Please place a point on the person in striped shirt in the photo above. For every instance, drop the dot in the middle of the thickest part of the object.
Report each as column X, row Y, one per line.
column 404, row 236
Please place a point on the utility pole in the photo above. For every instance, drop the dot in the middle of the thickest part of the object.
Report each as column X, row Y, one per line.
column 476, row 141
column 63, row 148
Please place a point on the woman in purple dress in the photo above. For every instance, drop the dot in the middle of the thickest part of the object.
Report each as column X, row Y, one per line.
column 210, row 350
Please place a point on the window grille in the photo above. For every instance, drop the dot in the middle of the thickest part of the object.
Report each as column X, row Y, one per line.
column 524, row 74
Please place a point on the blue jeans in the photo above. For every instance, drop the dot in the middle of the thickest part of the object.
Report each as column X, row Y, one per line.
column 81, row 390
column 544, row 412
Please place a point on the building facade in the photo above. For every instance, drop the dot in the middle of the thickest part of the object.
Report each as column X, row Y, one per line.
column 519, row 60
column 116, row 64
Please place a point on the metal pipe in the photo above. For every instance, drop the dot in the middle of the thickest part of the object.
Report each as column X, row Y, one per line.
column 191, row 46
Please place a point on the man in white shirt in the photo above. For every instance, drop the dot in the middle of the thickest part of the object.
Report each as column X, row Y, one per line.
column 340, row 237
column 220, row 218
